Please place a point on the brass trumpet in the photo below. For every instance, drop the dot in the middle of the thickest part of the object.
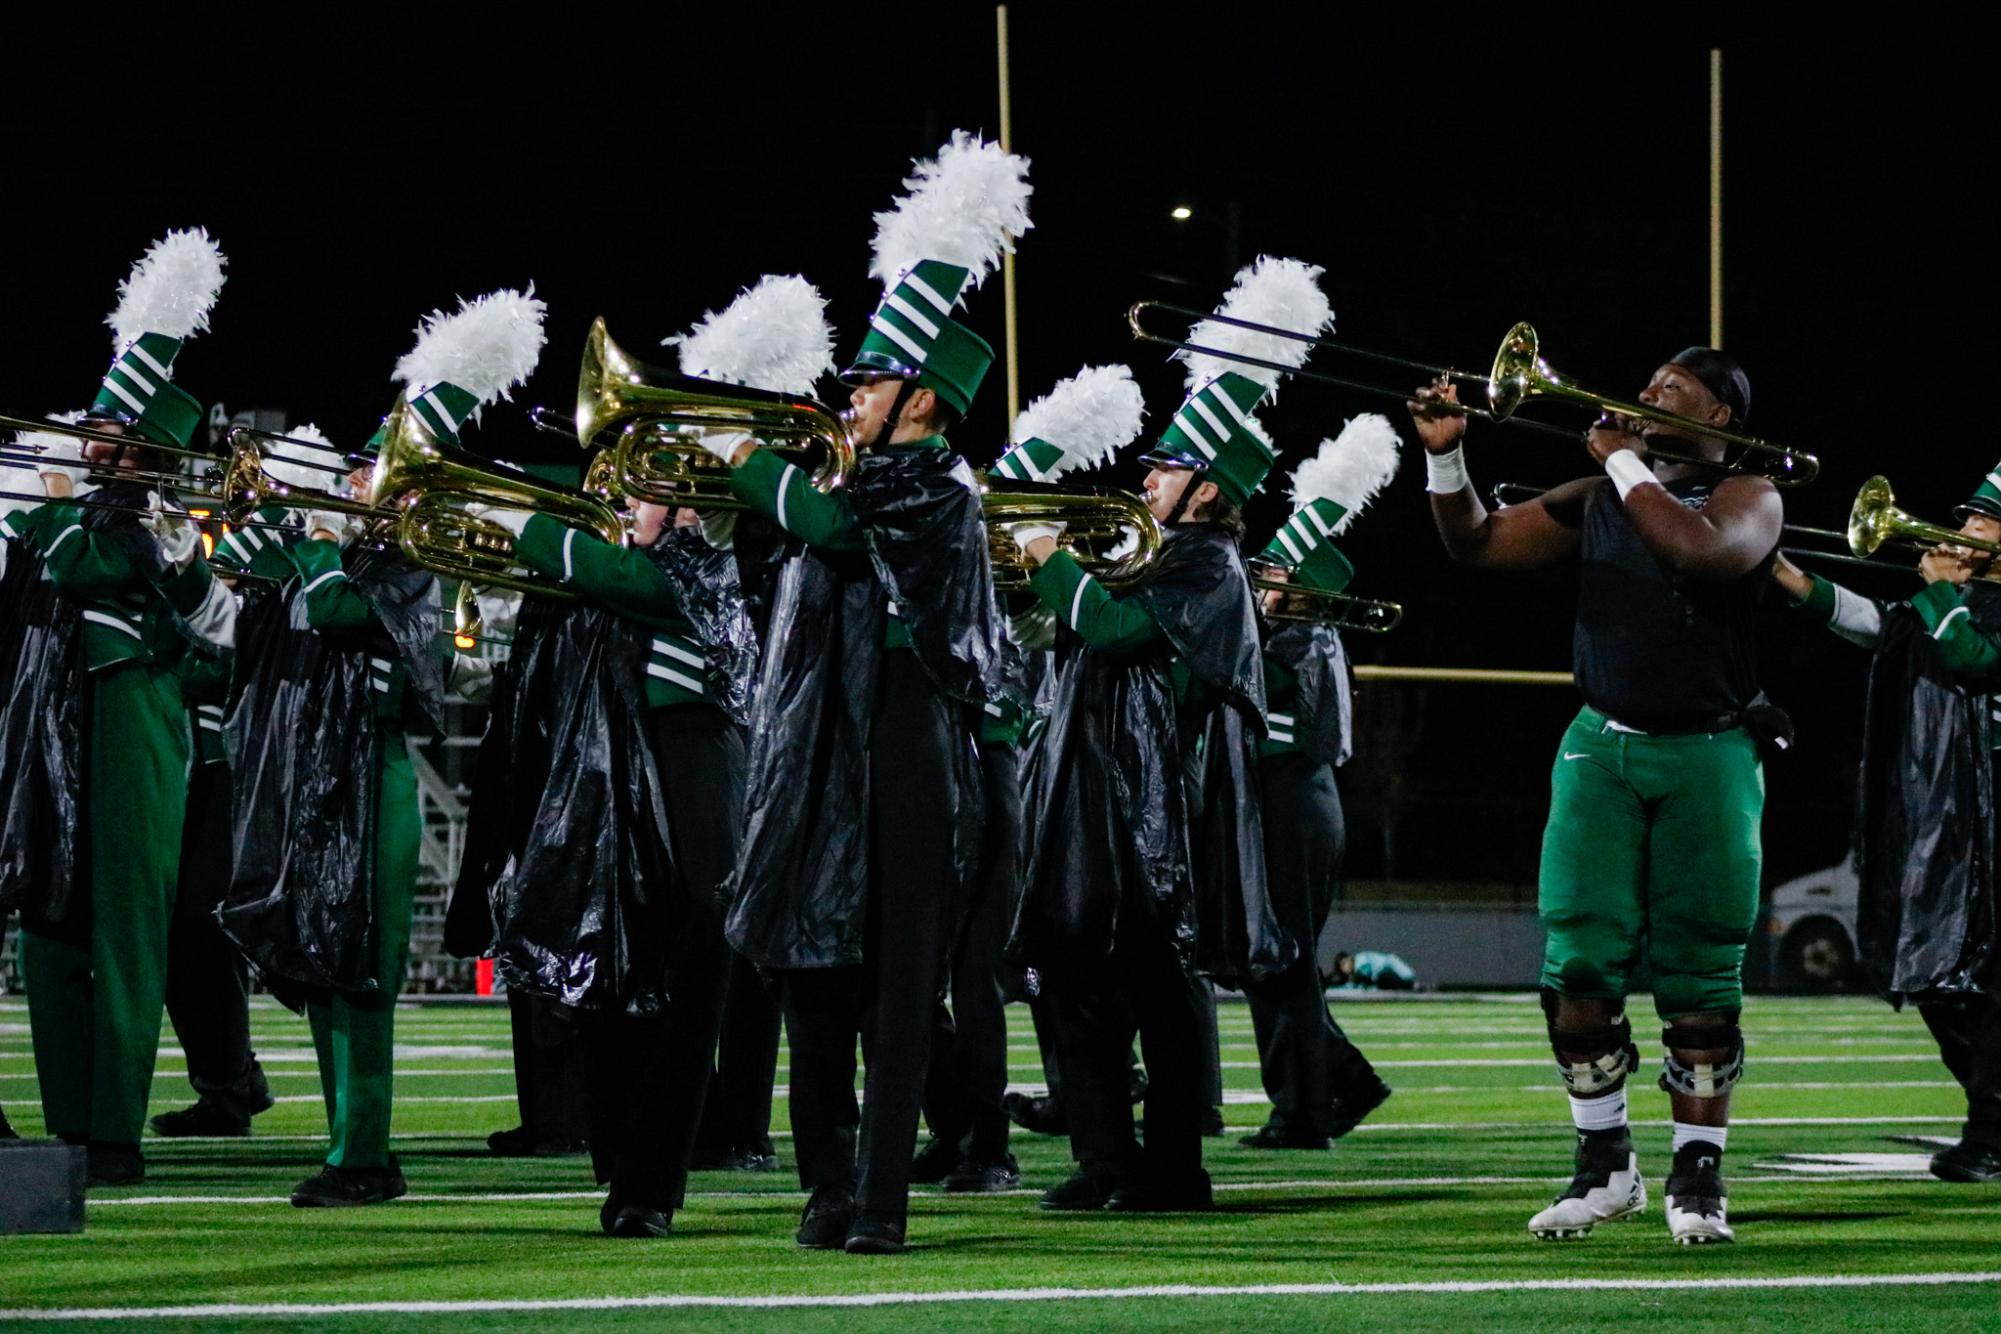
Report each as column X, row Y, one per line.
column 660, row 416
column 1875, row 520
column 1518, row 375
column 1096, row 521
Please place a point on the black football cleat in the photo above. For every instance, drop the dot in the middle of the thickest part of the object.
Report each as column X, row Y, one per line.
column 828, row 1216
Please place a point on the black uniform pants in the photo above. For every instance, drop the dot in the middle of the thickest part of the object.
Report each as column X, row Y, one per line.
column 738, row 1115
column 1968, row 1031
column 649, row 1076
column 968, row 1075
column 887, row 999
column 1304, row 1057
column 1094, row 1014
column 208, row 996
column 549, row 1080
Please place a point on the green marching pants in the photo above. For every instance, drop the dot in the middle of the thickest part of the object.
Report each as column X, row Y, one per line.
column 96, row 985
column 354, row 1034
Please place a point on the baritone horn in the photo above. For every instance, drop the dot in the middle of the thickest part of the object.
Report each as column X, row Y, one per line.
column 1111, row 533
column 1875, row 520
column 660, row 417
column 1519, row 374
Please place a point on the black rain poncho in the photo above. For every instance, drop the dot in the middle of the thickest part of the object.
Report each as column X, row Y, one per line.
column 705, row 584
column 1926, row 923
column 802, row 878
column 301, row 734
column 567, row 877
column 1142, row 799
column 42, row 743
column 1323, row 711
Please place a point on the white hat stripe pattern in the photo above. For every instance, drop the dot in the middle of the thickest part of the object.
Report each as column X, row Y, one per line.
column 929, row 293
column 135, row 404
column 139, row 350
column 897, row 336
column 912, row 313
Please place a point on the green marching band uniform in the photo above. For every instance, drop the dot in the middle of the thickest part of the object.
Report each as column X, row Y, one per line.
column 1083, row 420
column 862, row 805
column 1319, row 1083
column 1928, row 924
column 348, row 665
column 690, row 661
column 114, row 598
column 1147, row 875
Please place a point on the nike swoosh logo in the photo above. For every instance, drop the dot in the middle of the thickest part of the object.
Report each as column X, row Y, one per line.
column 1578, row 756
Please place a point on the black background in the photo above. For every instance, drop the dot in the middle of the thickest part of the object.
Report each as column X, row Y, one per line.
column 1455, row 172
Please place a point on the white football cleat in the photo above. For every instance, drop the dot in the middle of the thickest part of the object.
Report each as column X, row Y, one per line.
column 1697, row 1205
column 1599, row 1193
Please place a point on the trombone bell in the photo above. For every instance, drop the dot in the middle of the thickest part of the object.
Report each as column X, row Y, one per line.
column 1875, row 520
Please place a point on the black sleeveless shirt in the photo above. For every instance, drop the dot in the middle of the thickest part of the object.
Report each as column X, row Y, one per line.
column 1654, row 650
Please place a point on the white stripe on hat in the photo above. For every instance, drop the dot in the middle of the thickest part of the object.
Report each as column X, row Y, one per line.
column 912, row 313
column 125, row 394
column 105, row 618
column 1994, row 480
column 139, row 350
column 667, row 673
column 929, row 293
column 897, row 336
column 131, row 372
column 1209, row 415
column 1229, row 404
column 1326, row 528
column 679, row 654
column 437, row 405
column 1302, row 532
column 1192, row 428
column 1290, row 550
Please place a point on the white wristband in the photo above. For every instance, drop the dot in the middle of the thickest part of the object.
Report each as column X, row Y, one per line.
column 1445, row 474
column 1627, row 470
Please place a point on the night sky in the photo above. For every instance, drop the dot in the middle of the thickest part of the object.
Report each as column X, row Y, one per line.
column 1454, row 175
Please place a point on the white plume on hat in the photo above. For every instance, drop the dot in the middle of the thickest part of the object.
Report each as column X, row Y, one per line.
column 486, row 347
column 304, row 445
column 774, row 336
column 965, row 207
column 170, row 290
column 1284, row 293
column 1088, row 416
column 1349, row 469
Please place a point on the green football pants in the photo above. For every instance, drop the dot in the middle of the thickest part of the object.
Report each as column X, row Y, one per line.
column 354, row 1034
column 96, row 984
column 1653, row 845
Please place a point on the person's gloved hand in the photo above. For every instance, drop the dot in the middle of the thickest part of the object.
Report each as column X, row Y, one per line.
column 177, row 535
column 722, row 444
column 513, row 520
column 1024, row 533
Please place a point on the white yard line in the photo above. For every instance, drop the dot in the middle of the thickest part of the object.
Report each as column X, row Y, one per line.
column 683, row 1301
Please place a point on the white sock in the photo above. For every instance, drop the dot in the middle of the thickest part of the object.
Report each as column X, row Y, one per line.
column 1684, row 1133
column 1603, row 1113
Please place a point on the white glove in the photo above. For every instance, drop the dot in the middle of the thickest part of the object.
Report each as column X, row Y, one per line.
column 470, row 678
column 1024, row 533
column 329, row 521
column 514, row 521
column 177, row 535
column 722, row 444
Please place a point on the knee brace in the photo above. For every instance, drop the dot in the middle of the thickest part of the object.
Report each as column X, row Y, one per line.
column 1702, row 1079
column 1609, row 1056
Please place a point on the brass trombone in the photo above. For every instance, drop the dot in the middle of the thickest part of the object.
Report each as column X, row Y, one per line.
column 1096, row 521
column 1875, row 520
column 660, row 416
column 1342, row 611
column 1519, row 374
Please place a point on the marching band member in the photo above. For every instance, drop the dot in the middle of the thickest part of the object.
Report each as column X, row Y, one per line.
column 327, row 822
column 1081, row 422
column 92, row 838
column 863, row 804
column 1927, row 922
column 1147, row 864
column 676, row 585
column 208, row 996
column 1319, row 1083
column 1658, row 788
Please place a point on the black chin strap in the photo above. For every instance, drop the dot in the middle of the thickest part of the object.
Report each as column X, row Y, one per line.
column 1181, row 501
column 895, row 414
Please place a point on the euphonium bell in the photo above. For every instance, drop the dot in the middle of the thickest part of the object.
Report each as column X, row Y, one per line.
column 1098, row 525
column 660, row 416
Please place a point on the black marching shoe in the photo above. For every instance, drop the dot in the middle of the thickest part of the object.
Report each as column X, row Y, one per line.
column 935, row 1161
column 757, row 1156
column 1212, row 1122
column 829, row 1214
column 1969, row 1162
column 115, row 1164
column 1082, row 1193
column 1350, row 1108
column 348, row 1187
column 1272, row 1135
column 207, row 1119
column 976, row 1177
column 639, row 1220
column 1150, row 1194
column 874, row 1233
column 521, row 1142
column 1042, row 1114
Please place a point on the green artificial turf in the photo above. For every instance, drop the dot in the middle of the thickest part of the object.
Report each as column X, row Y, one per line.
column 1435, row 1188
